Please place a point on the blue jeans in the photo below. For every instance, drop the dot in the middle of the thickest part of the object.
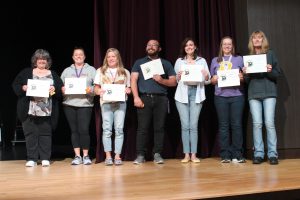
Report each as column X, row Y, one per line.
column 113, row 114
column 230, row 115
column 189, row 116
column 264, row 108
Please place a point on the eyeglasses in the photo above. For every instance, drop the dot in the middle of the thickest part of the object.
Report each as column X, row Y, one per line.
column 152, row 45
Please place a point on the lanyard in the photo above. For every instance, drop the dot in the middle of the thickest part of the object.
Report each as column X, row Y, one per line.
column 78, row 74
column 113, row 76
column 226, row 65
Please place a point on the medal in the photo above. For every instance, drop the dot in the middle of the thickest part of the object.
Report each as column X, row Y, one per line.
column 226, row 65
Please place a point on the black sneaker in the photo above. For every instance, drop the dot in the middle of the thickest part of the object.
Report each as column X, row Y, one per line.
column 273, row 161
column 257, row 160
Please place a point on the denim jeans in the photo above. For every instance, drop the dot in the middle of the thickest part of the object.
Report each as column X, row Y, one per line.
column 154, row 111
column 189, row 116
column 264, row 109
column 230, row 115
column 113, row 114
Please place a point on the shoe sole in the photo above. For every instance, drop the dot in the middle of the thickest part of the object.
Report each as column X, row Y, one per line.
column 108, row 164
column 76, row 163
column 138, row 163
column 185, row 161
column 225, row 161
column 256, row 163
column 87, row 163
column 30, row 165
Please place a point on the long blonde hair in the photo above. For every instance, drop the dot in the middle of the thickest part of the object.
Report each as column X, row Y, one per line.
column 120, row 66
column 264, row 45
column 221, row 53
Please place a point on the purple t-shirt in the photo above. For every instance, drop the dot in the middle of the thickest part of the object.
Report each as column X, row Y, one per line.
column 237, row 63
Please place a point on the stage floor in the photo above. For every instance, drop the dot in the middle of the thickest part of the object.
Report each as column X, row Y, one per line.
column 173, row 180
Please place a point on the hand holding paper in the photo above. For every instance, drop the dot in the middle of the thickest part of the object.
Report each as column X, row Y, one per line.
column 152, row 68
column 227, row 78
column 38, row 88
column 192, row 73
column 255, row 63
column 113, row 92
column 75, row 85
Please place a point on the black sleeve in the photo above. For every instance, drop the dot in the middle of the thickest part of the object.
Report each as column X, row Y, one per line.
column 57, row 85
column 276, row 72
column 19, row 81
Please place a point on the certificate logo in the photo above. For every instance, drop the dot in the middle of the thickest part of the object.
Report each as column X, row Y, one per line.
column 71, row 85
column 109, row 91
column 250, row 63
column 186, row 72
column 33, row 87
column 148, row 70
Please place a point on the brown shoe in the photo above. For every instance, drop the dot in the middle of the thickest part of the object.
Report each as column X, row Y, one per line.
column 195, row 160
column 185, row 160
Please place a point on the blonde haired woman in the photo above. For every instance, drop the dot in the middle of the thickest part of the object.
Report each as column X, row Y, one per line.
column 262, row 94
column 113, row 113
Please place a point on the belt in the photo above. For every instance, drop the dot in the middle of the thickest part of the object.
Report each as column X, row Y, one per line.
column 153, row 94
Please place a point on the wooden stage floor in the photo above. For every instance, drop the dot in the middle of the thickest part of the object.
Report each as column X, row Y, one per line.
column 173, row 180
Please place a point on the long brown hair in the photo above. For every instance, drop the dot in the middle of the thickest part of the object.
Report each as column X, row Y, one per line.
column 221, row 54
column 120, row 66
column 264, row 45
column 182, row 52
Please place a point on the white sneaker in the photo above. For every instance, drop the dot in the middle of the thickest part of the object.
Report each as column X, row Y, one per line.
column 30, row 163
column 45, row 163
column 86, row 160
column 77, row 160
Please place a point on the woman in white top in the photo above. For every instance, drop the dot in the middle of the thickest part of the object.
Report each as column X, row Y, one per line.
column 189, row 97
column 113, row 112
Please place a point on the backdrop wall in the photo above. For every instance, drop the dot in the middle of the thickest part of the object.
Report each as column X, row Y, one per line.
column 280, row 21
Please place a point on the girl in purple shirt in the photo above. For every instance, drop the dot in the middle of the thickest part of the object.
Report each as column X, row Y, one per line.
column 229, row 103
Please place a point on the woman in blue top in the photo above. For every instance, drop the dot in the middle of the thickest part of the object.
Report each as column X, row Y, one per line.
column 189, row 97
column 229, row 103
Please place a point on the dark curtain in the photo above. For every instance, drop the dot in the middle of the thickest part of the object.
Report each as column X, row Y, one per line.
column 128, row 24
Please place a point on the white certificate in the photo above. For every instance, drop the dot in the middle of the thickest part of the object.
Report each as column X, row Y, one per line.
column 75, row 85
column 227, row 78
column 255, row 63
column 38, row 88
column 114, row 92
column 192, row 73
column 151, row 68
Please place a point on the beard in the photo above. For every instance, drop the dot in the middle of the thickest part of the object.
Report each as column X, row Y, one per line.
column 152, row 53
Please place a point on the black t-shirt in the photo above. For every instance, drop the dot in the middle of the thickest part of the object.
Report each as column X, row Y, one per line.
column 150, row 85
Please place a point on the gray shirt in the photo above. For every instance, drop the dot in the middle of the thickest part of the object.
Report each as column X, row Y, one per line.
column 80, row 100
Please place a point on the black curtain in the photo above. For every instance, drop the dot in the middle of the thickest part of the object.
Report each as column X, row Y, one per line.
column 128, row 24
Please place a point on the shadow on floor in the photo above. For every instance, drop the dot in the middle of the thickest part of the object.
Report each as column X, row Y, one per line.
column 18, row 152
